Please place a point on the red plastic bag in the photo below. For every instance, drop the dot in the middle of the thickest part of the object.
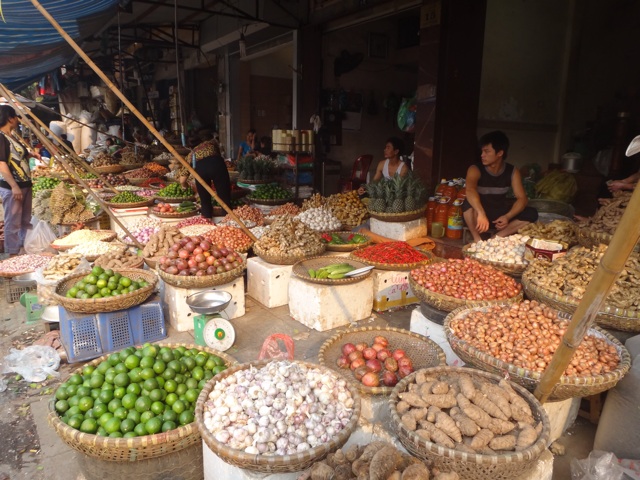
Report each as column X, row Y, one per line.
column 271, row 348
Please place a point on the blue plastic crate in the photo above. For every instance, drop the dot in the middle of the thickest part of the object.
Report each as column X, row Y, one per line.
column 80, row 336
column 115, row 330
column 147, row 322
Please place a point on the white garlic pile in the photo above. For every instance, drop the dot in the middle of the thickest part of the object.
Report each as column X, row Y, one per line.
column 501, row 249
column 282, row 408
column 319, row 219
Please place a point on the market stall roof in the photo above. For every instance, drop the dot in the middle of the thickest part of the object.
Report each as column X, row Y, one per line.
column 31, row 47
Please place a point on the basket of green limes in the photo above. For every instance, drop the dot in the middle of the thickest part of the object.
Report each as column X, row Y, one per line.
column 136, row 404
column 102, row 291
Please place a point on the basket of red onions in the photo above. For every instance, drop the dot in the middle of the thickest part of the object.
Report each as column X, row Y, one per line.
column 194, row 262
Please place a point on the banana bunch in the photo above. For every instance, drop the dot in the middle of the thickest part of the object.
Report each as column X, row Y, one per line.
column 335, row 270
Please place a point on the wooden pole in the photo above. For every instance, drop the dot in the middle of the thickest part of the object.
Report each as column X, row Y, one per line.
column 141, row 117
column 622, row 244
column 47, row 143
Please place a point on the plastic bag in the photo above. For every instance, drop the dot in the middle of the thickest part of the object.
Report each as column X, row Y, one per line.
column 598, row 465
column 34, row 363
column 407, row 114
column 271, row 347
column 557, row 185
column 39, row 238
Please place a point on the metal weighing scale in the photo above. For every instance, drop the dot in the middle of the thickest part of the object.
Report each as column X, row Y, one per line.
column 211, row 329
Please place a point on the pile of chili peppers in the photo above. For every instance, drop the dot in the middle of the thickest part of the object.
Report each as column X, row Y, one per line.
column 391, row 252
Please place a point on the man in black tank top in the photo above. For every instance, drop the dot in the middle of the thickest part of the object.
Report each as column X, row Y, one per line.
column 487, row 187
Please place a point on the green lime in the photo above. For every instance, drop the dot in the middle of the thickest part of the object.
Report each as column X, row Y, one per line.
column 143, row 404
column 100, row 409
column 134, row 415
column 96, row 380
column 197, row 373
column 191, row 383
column 102, row 368
column 139, row 430
column 132, row 362
column 127, row 425
column 75, row 379
column 153, row 425
column 80, row 285
column 129, row 435
column 97, row 270
column 72, row 390
column 147, row 362
column 101, row 283
column 121, row 379
column 201, row 359
column 89, row 425
column 129, row 401
column 134, row 388
column 112, row 425
column 144, row 416
column 166, row 355
column 115, row 292
column 124, row 281
column 134, row 375
column 88, row 370
column 182, row 389
column 115, row 435
column 171, row 399
column 74, row 400
column 103, row 276
column 203, row 382
column 159, row 366
column 75, row 421
column 61, row 393
column 119, row 392
column 105, row 292
column 112, row 285
column 132, row 288
column 208, row 374
column 175, row 365
column 218, row 369
column 110, row 375
column 106, row 396
column 73, row 291
column 180, row 378
column 90, row 280
column 104, row 418
column 186, row 417
column 108, row 272
column 150, row 384
column 169, row 373
column 218, row 360
column 157, row 395
column 160, row 381
column 121, row 368
column 74, row 410
column 95, row 393
column 170, row 416
column 170, row 386
column 114, row 404
column 188, row 362
column 121, row 413
column 83, row 391
column 168, row 425
column 150, row 351
column 107, row 386
column 89, row 414
column 192, row 395
column 147, row 373
column 85, row 403
column 157, row 408
column 178, row 406
column 101, row 432
column 62, row 406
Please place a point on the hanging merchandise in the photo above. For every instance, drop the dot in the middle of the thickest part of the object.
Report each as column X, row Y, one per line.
column 407, row 114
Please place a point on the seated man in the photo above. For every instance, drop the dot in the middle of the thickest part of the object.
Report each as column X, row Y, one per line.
column 487, row 187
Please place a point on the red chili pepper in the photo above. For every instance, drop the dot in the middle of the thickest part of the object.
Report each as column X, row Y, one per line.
column 350, row 237
column 326, row 236
column 391, row 252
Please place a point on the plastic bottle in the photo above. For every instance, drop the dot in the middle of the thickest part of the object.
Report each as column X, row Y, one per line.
column 462, row 194
column 440, row 217
column 440, row 188
column 450, row 191
column 455, row 221
column 431, row 207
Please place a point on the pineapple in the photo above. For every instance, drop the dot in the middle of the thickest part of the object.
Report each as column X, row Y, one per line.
column 399, row 187
column 258, row 166
column 389, row 197
column 411, row 202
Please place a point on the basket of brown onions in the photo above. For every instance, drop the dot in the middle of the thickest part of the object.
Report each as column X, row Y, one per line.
column 463, row 283
column 521, row 339
column 194, row 262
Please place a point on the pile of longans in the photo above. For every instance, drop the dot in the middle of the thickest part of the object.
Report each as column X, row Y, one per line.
column 376, row 364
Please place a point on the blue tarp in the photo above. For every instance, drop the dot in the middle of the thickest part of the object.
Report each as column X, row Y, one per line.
column 31, row 47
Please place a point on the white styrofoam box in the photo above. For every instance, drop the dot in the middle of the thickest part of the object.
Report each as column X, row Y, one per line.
column 127, row 216
column 174, row 303
column 561, row 415
column 400, row 230
column 323, row 307
column 422, row 325
column 268, row 283
column 391, row 289
column 167, row 221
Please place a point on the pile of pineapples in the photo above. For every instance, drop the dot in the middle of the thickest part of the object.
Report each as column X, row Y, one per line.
column 256, row 168
column 397, row 195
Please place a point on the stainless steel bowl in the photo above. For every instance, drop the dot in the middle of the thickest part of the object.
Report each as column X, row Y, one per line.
column 209, row 301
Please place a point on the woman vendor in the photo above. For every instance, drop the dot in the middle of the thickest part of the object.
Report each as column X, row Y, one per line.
column 15, row 181
column 392, row 165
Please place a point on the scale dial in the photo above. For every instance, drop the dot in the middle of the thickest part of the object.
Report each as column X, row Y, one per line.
column 219, row 334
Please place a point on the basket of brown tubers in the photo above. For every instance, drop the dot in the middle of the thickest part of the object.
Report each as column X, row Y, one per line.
column 521, row 339
column 470, row 422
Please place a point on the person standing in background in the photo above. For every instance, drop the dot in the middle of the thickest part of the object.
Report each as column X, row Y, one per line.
column 15, row 181
column 248, row 145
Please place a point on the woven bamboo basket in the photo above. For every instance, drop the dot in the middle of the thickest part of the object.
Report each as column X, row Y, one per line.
column 398, row 217
column 191, row 198
column 174, row 214
column 192, row 281
column 110, row 169
column 131, row 166
column 5, row 274
column 255, row 182
column 423, row 352
column 568, row 387
column 136, row 448
column 145, row 203
column 447, row 303
column 347, row 247
column 273, row 463
column 512, row 269
column 109, row 304
column 150, row 263
column 267, row 201
column 136, row 181
column 588, row 238
column 301, row 270
column 609, row 317
column 284, row 259
column 105, row 236
column 468, row 466
column 400, row 267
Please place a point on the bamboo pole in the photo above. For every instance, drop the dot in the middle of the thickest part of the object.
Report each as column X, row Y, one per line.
column 622, row 244
column 47, row 143
column 140, row 117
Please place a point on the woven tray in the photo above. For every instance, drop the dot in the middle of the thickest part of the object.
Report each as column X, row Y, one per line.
column 423, row 352
column 146, row 203
column 512, row 269
column 272, row 463
column 255, row 182
column 348, row 247
column 150, row 263
column 191, row 281
column 398, row 217
column 268, row 201
column 285, row 260
column 191, row 198
column 174, row 214
column 110, row 304
column 109, row 235
column 136, row 181
column 301, row 270
column 110, row 169
column 15, row 274
column 448, row 304
column 470, row 466
column 136, row 448
column 608, row 317
column 399, row 267
column 131, row 166
column 588, row 238
column 568, row 387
